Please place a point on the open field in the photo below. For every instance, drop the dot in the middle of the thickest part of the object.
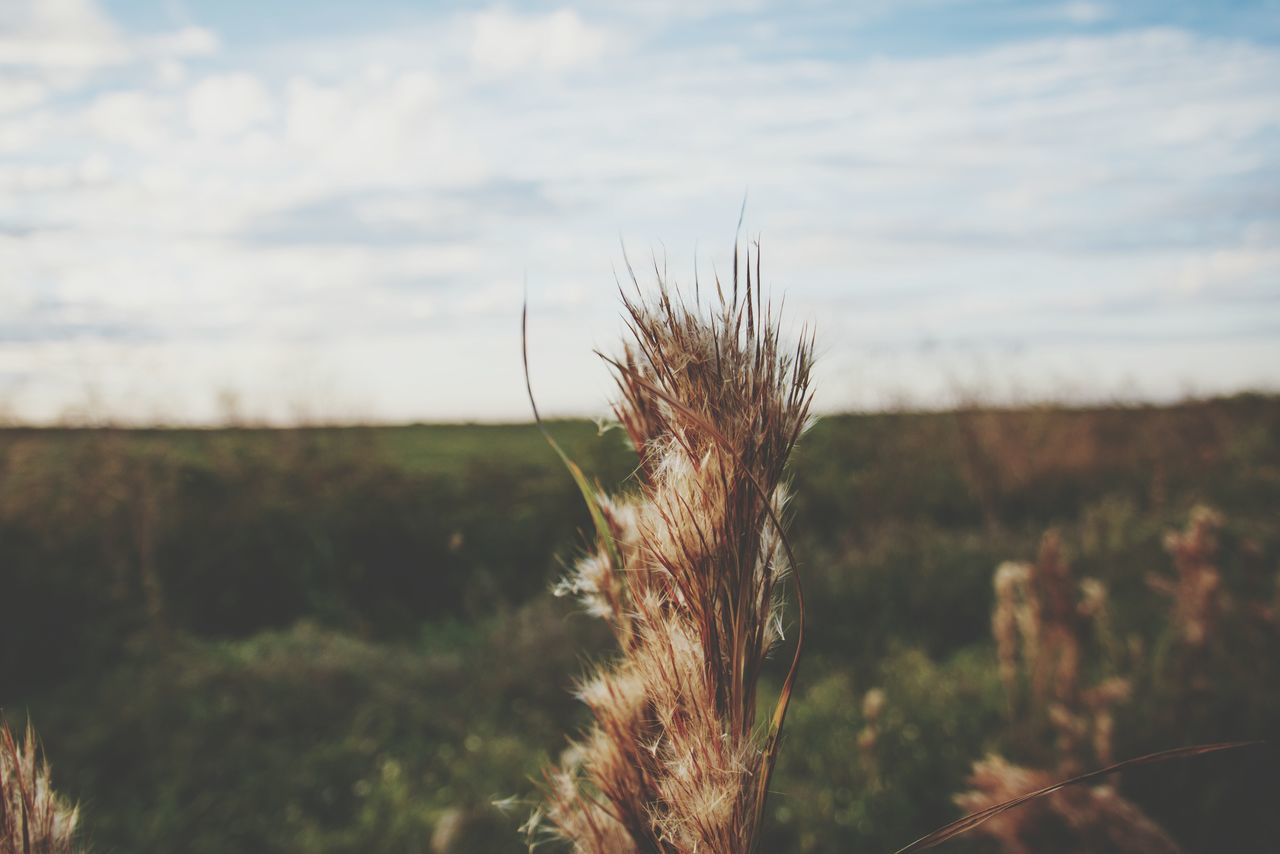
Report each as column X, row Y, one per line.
column 342, row 639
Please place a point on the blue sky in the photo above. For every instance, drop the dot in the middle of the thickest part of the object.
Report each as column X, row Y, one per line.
column 328, row 210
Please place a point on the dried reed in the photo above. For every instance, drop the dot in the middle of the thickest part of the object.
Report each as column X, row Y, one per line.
column 873, row 703
column 33, row 818
column 1196, row 588
column 1040, row 624
column 1074, row 819
column 686, row 571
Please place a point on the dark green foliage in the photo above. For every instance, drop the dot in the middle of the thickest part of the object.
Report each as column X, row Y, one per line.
column 312, row 740
column 106, row 535
column 835, row 795
column 342, row 639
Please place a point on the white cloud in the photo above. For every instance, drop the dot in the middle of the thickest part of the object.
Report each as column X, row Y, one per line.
column 1080, row 12
column 133, row 118
column 78, row 36
column 18, row 94
column 1226, row 270
column 36, row 177
column 372, row 211
column 227, row 104
column 188, row 41
column 504, row 42
column 59, row 33
column 24, row 133
column 375, row 128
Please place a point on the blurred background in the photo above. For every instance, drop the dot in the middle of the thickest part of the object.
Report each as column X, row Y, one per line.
column 276, row 537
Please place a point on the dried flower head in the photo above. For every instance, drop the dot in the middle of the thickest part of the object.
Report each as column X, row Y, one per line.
column 33, row 818
column 1039, row 624
column 1015, row 624
column 1196, row 589
column 1076, row 819
column 686, row 571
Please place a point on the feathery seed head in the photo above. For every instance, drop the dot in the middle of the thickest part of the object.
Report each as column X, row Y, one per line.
column 713, row 403
column 33, row 818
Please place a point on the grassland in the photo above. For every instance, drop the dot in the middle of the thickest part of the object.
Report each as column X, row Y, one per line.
column 342, row 639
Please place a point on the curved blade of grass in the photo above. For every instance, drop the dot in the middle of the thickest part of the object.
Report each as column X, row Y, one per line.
column 969, row 822
column 589, row 493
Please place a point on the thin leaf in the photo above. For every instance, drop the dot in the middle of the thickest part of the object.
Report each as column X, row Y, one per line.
column 589, row 493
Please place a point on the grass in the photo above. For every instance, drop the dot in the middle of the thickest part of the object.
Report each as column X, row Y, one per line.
column 33, row 818
column 687, row 571
column 330, row 667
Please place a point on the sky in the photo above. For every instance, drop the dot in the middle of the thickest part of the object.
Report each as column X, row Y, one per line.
column 332, row 211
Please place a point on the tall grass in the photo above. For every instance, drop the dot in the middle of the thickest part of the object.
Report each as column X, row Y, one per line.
column 1043, row 623
column 687, row 571
column 33, row 818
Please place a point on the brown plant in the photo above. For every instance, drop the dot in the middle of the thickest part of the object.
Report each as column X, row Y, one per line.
column 33, row 818
column 873, row 703
column 1196, row 588
column 1072, row 820
column 686, row 571
column 1039, row 623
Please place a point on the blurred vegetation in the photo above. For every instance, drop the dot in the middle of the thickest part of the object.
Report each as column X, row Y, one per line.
column 342, row 639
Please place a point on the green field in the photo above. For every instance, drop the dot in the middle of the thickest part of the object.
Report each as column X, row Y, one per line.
column 342, row 639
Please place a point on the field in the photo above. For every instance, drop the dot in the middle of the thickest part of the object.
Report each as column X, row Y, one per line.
column 343, row 639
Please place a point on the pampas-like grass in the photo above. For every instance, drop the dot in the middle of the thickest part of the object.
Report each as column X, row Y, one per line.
column 1196, row 589
column 33, row 818
column 686, row 571
column 1073, row 820
column 1039, row 624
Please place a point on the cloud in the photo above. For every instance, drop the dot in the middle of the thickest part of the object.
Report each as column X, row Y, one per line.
column 1079, row 12
column 77, row 35
column 59, row 33
column 400, row 217
column 360, row 219
column 134, row 118
column 186, row 42
column 227, row 104
column 378, row 126
column 371, row 201
column 61, row 323
column 505, row 42
column 17, row 94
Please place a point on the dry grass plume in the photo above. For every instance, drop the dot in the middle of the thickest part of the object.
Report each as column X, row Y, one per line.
column 33, row 818
column 686, row 571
